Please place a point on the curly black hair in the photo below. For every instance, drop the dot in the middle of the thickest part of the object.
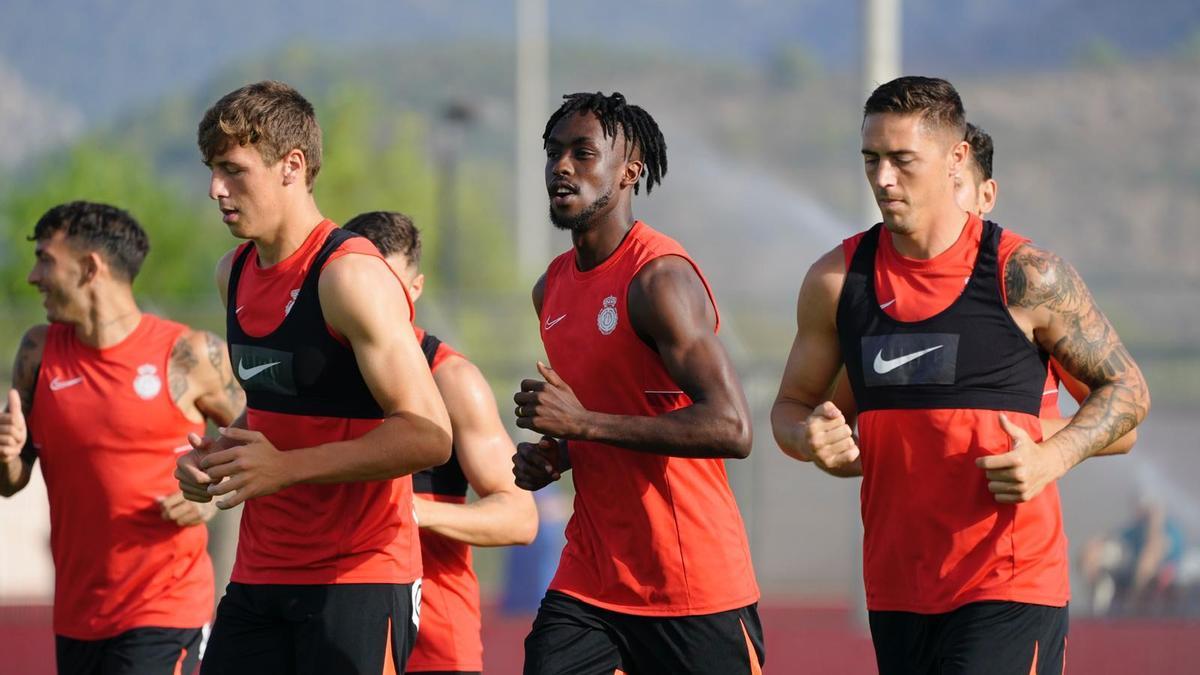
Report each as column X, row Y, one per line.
column 640, row 129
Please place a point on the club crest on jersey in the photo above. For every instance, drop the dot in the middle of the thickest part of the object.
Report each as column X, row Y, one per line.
column 295, row 293
column 147, row 384
column 606, row 320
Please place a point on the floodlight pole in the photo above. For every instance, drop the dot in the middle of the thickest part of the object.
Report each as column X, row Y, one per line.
column 532, row 226
column 881, row 63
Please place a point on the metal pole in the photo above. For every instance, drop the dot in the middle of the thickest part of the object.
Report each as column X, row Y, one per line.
column 533, row 227
column 881, row 63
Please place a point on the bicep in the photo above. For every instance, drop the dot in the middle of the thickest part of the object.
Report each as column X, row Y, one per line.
column 220, row 398
column 1067, row 323
column 670, row 307
column 481, row 443
column 27, row 363
column 816, row 354
column 539, row 294
column 377, row 325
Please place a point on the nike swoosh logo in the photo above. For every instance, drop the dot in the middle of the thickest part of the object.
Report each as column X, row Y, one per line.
column 887, row 304
column 884, row 366
column 57, row 384
column 551, row 324
column 239, row 309
column 247, row 373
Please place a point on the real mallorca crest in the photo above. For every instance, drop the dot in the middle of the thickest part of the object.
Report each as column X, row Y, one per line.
column 606, row 320
column 147, row 384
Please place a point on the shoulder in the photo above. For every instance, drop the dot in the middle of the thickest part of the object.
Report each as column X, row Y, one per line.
column 351, row 287
column 225, row 263
column 539, row 293
column 356, row 270
column 664, row 277
column 1034, row 276
column 201, row 342
column 33, row 343
column 821, row 289
column 828, row 272
column 460, row 383
column 356, row 243
column 225, row 268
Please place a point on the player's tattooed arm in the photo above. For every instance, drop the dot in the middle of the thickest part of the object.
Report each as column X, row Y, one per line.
column 179, row 369
column 18, row 459
column 1068, row 324
column 221, row 399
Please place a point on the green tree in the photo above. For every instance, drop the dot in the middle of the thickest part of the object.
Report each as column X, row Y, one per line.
column 183, row 245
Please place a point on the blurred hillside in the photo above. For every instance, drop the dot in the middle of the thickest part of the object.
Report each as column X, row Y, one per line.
column 84, row 53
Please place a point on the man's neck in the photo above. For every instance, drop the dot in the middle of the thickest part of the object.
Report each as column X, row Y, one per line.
column 294, row 227
column 114, row 315
column 933, row 237
column 594, row 245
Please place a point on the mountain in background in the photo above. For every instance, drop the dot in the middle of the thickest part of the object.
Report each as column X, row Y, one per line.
column 104, row 56
column 32, row 122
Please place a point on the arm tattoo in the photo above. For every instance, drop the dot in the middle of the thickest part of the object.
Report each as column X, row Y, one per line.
column 183, row 360
column 229, row 386
column 1081, row 338
column 25, row 370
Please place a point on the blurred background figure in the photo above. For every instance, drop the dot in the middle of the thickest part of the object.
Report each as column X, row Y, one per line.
column 1136, row 570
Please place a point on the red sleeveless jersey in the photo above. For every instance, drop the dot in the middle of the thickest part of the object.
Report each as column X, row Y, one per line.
column 357, row 532
column 934, row 536
column 651, row 535
column 449, row 639
column 108, row 433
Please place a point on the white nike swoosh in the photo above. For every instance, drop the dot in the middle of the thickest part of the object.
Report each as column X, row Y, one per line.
column 57, row 384
column 247, row 373
column 884, row 366
column 239, row 309
column 887, row 304
column 551, row 324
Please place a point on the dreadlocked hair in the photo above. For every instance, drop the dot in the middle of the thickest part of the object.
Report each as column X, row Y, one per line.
column 640, row 129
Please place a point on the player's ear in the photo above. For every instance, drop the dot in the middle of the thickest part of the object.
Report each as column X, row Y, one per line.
column 960, row 153
column 416, row 286
column 90, row 266
column 294, row 166
column 988, row 192
column 632, row 173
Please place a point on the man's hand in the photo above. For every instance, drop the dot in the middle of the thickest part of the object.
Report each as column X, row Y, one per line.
column 550, row 407
column 193, row 481
column 183, row 512
column 13, row 432
column 254, row 467
column 829, row 441
column 1020, row 474
column 536, row 465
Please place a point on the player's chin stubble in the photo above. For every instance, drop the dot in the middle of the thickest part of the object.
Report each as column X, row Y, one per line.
column 579, row 222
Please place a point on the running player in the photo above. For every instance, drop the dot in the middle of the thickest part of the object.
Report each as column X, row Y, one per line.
column 656, row 575
column 449, row 640
column 106, row 396
column 965, row 560
column 976, row 191
column 341, row 408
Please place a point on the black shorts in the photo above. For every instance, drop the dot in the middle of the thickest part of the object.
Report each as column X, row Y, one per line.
column 264, row 629
column 571, row 637
column 984, row 638
column 139, row 651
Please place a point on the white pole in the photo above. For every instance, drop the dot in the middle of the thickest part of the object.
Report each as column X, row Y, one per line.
column 533, row 223
column 881, row 63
